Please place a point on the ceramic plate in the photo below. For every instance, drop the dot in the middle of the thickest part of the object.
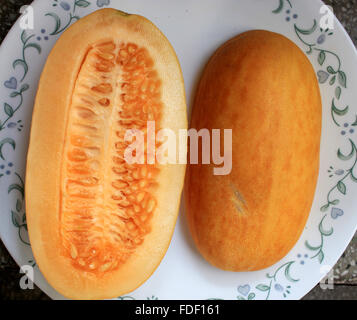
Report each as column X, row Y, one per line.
column 195, row 29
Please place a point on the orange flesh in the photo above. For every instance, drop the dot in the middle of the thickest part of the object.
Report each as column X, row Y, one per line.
column 106, row 204
column 99, row 226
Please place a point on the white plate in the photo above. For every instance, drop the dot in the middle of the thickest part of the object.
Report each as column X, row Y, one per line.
column 195, row 29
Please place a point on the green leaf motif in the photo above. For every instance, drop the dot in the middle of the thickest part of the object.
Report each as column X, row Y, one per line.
column 251, row 296
column 321, row 257
column 324, row 208
column 341, row 187
column 287, row 273
column 18, row 205
column 24, row 87
column 338, row 92
column 9, row 141
column 335, row 202
column 322, row 57
column 331, row 70
column 17, row 187
column 343, row 157
column 19, row 62
column 342, row 79
column 23, row 64
column 8, row 110
column 262, row 287
column 23, row 37
column 323, row 231
column 57, row 22
column 14, row 94
column 15, row 219
column 280, row 7
column 307, row 31
column 353, row 177
column 82, row 3
column 33, row 45
column 332, row 81
column 310, row 247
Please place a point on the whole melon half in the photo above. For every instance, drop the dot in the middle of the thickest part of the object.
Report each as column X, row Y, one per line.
column 99, row 226
column 263, row 87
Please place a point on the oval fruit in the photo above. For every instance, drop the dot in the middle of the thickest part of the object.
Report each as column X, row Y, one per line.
column 263, row 87
column 99, row 226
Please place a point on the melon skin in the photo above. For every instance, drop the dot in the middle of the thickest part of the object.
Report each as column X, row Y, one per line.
column 99, row 226
column 263, row 87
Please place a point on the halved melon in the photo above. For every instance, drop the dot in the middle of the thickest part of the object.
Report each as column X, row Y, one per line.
column 98, row 225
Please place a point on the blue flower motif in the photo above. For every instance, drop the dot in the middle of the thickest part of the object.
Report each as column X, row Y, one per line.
column 332, row 172
column 11, row 83
column 279, row 287
column 323, row 36
column 321, row 39
column 65, row 5
column 18, row 125
column 323, row 76
column 336, row 212
column 11, row 125
column 288, row 18
column 5, row 169
column 43, row 31
column 344, row 132
column 244, row 290
column 102, row 3
column 301, row 257
column 284, row 290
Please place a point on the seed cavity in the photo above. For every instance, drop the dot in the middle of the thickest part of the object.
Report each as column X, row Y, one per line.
column 105, row 102
column 104, row 88
column 107, row 204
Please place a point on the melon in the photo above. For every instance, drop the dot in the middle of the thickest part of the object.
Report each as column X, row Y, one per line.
column 100, row 225
column 261, row 86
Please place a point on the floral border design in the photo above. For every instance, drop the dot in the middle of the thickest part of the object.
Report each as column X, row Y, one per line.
column 336, row 77
column 273, row 283
column 331, row 73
